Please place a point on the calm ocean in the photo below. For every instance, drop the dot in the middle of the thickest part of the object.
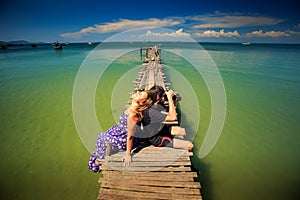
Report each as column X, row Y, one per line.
column 256, row 157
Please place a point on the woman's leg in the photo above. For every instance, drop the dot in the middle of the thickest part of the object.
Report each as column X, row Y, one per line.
column 182, row 144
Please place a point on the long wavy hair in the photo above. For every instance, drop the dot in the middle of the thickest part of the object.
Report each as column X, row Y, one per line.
column 140, row 102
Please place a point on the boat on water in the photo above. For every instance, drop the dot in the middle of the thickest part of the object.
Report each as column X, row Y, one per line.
column 90, row 43
column 57, row 46
column 246, row 43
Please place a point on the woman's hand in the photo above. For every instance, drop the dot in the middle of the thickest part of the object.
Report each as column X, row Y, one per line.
column 170, row 94
column 172, row 115
column 127, row 160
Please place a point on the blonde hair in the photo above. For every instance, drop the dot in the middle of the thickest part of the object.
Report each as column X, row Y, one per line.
column 140, row 102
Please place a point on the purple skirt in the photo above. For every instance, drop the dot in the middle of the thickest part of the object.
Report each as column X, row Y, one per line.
column 116, row 135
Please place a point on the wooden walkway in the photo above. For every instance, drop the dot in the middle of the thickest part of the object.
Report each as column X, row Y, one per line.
column 151, row 72
column 156, row 172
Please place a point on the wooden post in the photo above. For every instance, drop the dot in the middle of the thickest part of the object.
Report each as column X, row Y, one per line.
column 108, row 149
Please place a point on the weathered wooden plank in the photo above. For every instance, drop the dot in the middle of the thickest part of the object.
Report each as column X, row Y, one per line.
column 148, row 163
column 150, row 174
column 163, row 150
column 149, row 157
column 155, row 154
column 148, row 169
column 183, row 197
column 160, row 148
column 153, row 189
column 161, row 177
column 102, row 196
column 162, row 154
column 134, row 194
column 121, row 197
column 144, row 159
column 125, row 194
column 162, row 183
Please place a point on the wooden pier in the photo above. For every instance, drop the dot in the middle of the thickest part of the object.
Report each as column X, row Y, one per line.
column 151, row 72
column 156, row 172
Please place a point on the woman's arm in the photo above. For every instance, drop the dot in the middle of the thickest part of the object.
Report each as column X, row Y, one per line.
column 172, row 115
column 131, row 123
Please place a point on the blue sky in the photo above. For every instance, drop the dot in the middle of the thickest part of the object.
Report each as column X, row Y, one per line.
column 203, row 20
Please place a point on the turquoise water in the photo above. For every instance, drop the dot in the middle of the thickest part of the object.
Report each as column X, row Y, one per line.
column 256, row 156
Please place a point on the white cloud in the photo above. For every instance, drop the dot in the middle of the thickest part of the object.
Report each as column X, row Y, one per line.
column 78, row 35
column 272, row 34
column 126, row 24
column 292, row 32
column 233, row 21
column 123, row 24
column 177, row 34
column 216, row 34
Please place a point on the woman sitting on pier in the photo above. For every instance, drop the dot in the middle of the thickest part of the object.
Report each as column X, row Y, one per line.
column 141, row 122
column 147, row 124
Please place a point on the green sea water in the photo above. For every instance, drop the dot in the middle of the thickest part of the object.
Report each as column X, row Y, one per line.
column 256, row 157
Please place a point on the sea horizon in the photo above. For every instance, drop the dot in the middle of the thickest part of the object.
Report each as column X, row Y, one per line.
column 25, row 42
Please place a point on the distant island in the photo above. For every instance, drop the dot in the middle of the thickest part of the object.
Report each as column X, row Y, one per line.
column 19, row 43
